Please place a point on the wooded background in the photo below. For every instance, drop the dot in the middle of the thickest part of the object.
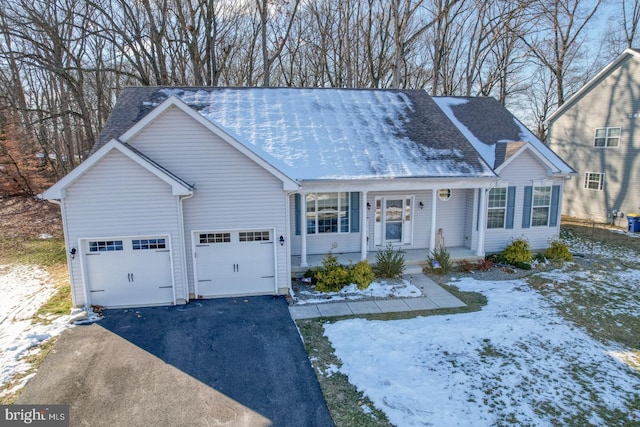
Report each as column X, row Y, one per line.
column 63, row 62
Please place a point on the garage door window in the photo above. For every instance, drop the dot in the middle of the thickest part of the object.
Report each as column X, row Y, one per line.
column 254, row 236
column 144, row 244
column 215, row 237
column 105, row 246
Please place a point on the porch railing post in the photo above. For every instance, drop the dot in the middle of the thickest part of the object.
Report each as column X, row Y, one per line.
column 432, row 234
column 303, row 230
column 482, row 221
column 363, row 227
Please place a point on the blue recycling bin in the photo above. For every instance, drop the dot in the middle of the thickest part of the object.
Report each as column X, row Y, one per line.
column 634, row 223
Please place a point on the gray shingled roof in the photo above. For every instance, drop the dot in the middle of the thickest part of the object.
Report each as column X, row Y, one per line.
column 339, row 133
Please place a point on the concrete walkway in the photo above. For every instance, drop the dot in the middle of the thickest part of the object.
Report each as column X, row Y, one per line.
column 434, row 297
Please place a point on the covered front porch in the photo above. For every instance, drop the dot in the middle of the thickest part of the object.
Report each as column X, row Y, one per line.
column 414, row 258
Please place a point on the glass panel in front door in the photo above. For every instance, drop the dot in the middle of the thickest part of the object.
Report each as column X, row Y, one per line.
column 393, row 211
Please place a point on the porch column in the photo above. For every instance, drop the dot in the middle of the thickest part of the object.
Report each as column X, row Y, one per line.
column 482, row 219
column 363, row 227
column 303, row 230
column 432, row 235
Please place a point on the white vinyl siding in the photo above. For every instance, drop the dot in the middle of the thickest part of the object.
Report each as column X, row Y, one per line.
column 232, row 191
column 115, row 194
column 451, row 216
column 519, row 173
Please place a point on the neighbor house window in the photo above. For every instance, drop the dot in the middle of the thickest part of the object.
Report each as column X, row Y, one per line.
column 327, row 213
column 607, row 137
column 540, row 206
column 497, row 207
column 594, row 181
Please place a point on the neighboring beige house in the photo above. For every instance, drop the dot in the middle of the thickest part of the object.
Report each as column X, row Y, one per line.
column 597, row 131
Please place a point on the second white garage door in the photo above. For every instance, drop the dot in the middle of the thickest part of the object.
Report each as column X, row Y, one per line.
column 236, row 262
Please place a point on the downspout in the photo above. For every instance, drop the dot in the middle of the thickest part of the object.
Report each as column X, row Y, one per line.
column 287, row 239
column 183, row 238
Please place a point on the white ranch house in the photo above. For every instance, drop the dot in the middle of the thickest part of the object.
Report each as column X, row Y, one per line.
column 217, row 192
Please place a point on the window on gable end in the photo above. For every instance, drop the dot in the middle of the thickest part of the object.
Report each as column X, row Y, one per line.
column 594, row 181
column 541, row 206
column 607, row 137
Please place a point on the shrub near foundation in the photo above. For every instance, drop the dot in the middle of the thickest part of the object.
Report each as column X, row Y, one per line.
column 518, row 252
column 558, row 251
column 332, row 276
column 362, row 274
column 389, row 263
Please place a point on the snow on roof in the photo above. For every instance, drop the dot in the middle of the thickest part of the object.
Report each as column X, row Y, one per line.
column 487, row 125
column 317, row 134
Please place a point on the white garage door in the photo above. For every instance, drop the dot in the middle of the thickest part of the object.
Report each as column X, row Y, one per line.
column 231, row 263
column 129, row 271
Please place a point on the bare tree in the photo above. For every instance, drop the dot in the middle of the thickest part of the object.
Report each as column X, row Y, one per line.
column 277, row 18
column 555, row 36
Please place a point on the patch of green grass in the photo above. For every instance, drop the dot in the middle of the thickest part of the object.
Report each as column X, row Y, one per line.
column 43, row 252
column 59, row 305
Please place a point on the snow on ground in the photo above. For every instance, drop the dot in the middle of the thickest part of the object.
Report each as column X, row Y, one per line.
column 514, row 362
column 24, row 289
column 394, row 289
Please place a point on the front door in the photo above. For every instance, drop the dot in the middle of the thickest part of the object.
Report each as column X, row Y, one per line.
column 393, row 220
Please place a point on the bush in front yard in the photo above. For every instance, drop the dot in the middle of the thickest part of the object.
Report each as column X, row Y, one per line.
column 558, row 251
column 518, row 251
column 332, row 276
column 389, row 263
column 439, row 261
column 362, row 274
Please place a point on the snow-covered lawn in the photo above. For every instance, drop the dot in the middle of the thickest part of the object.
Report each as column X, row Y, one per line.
column 517, row 361
column 24, row 289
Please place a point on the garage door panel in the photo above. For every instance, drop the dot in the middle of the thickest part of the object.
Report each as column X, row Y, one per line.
column 129, row 272
column 241, row 263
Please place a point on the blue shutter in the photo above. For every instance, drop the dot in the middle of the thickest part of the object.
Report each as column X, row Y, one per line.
column 354, row 207
column 555, row 202
column 526, row 211
column 511, row 204
column 296, row 198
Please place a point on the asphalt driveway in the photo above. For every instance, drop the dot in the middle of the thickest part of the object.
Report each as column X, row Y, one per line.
column 232, row 362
